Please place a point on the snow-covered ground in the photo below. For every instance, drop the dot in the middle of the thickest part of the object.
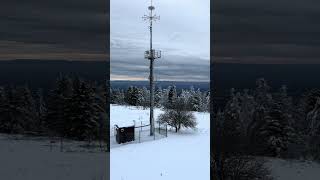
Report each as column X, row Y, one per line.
column 294, row 169
column 185, row 155
column 32, row 159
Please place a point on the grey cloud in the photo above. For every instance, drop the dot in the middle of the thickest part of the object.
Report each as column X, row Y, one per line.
column 183, row 38
column 268, row 28
column 173, row 68
column 76, row 25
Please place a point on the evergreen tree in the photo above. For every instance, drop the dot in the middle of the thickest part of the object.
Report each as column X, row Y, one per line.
column 313, row 119
column 232, row 126
column 247, row 111
column 207, row 100
column 186, row 97
column 132, row 96
column 26, row 103
column 41, row 110
column 5, row 110
column 102, row 109
column 310, row 99
column 144, row 97
column 172, row 97
column 276, row 132
column 117, row 96
column 195, row 101
column 158, row 97
column 84, row 117
column 59, row 107
column 262, row 95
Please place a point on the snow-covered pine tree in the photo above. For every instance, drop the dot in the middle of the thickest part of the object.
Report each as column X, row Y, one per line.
column 143, row 97
column 232, row 126
column 101, row 109
column 276, row 132
column 288, row 110
column 135, row 96
column 112, row 95
column 158, row 97
column 192, row 93
column 15, row 114
column 26, row 103
column 305, row 105
column 128, row 95
column 59, row 107
column 41, row 109
column 84, row 117
column 203, row 101
column 207, row 100
column 262, row 95
column 186, row 97
column 121, row 97
column 247, row 111
column 313, row 119
column 310, row 99
column 4, row 110
column 313, row 131
column 116, row 96
column 17, row 110
column 172, row 97
column 131, row 96
column 218, row 150
column 164, row 97
column 196, row 100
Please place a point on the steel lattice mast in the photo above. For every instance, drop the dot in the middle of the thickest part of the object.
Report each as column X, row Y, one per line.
column 151, row 54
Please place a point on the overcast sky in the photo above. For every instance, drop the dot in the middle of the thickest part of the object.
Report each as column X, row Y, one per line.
column 266, row 31
column 54, row 29
column 182, row 34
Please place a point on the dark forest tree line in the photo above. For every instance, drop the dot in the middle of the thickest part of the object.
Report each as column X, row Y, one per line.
column 194, row 100
column 74, row 108
column 262, row 122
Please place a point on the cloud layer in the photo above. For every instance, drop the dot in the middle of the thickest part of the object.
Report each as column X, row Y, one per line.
column 54, row 29
column 182, row 34
column 266, row 31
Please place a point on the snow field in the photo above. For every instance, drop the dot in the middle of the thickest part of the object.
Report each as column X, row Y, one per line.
column 185, row 155
column 33, row 160
column 293, row 169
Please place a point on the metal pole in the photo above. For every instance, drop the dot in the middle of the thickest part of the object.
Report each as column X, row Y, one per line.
column 151, row 79
column 151, row 55
column 166, row 130
column 140, row 132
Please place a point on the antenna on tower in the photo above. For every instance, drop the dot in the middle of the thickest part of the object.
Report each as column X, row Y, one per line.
column 151, row 55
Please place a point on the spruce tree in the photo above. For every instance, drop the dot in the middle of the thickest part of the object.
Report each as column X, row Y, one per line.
column 83, row 117
column 172, row 97
column 59, row 107
column 101, row 108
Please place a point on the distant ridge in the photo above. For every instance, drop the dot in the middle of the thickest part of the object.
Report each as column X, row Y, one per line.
column 204, row 86
column 43, row 73
column 297, row 77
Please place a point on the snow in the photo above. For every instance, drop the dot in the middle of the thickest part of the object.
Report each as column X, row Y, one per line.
column 184, row 155
column 293, row 169
column 32, row 159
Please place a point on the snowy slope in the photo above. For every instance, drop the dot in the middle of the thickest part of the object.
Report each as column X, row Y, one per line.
column 180, row 156
column 294, row 169
column 32, row 159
